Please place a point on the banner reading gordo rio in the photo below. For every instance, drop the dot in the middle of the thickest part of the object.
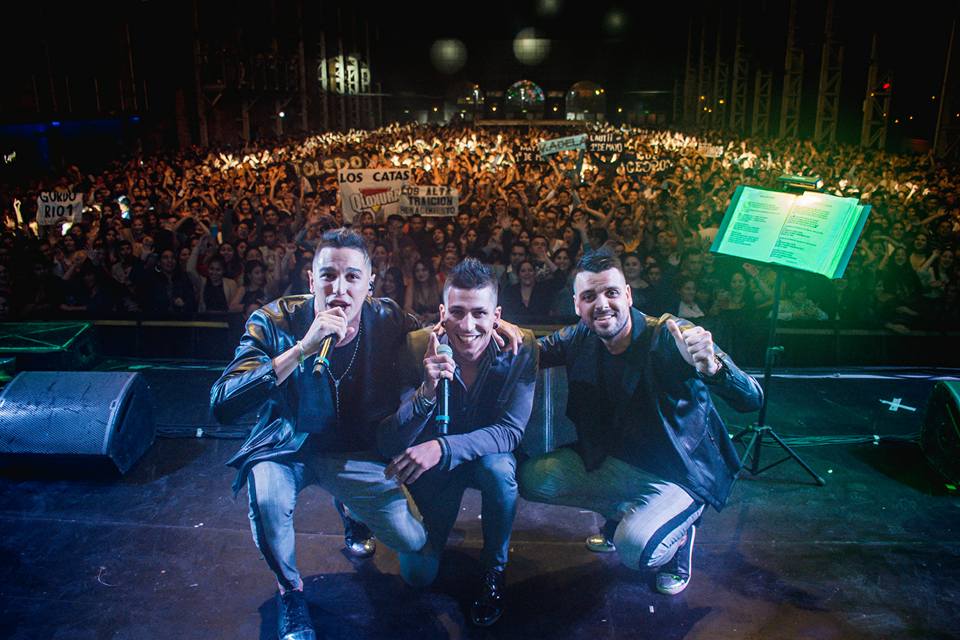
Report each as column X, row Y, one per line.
column 373, row 190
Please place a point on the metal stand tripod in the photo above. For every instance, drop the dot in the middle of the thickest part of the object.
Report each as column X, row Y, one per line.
column 757, row 432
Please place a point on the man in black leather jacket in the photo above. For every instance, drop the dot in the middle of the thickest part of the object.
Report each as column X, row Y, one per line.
column 318, row 429
column 651, row 449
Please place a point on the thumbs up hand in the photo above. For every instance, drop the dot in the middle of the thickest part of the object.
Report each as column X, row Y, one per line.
column 696, row 347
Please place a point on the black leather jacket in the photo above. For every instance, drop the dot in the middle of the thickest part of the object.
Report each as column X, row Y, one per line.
column 250, row 381
column 689, row 444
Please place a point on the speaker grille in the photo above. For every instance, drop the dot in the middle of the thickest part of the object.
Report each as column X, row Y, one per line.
column 62, row 413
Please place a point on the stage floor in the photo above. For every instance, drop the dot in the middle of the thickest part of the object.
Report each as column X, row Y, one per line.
column 166, row 552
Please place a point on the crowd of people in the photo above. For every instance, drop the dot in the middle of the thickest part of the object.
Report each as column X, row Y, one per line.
column 227, row 230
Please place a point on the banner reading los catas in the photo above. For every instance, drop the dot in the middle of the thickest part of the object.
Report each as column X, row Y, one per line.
column 373, row 190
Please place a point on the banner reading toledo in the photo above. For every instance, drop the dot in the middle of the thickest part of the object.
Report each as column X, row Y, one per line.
column 373, row 190
column 428, row 200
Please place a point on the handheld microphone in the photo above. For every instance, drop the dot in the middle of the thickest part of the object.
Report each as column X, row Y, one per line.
column 322, row 363
column 443, row 396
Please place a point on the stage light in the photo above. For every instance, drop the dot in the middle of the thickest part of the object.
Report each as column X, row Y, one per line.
column 282, row 114
column 933, row 97
column 554, row 107
column 619, row 109
column 885, row 86
column 801, row 183
column 615, row 22
column 494, row 107
column 529, row 48
column 910, row 118
column 721, row 101
column 448, row 55
column 55, row 123
column 435, row 109
column 548, row 7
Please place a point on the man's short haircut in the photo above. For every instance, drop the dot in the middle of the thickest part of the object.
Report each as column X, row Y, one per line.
column 471, row 274
column 602, row 259
column 342, row 238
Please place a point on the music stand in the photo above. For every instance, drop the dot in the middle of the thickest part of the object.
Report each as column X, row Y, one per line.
column 757, row 432
column 760, row 430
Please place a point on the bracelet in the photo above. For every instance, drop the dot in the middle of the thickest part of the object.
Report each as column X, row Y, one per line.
column 422, row 403
column 302, row 357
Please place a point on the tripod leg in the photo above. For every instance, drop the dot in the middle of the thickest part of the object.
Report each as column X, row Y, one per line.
column 793, row 454
column 750, row 453
column 742, row 434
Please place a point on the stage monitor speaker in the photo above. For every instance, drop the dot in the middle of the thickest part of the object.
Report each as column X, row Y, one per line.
column 940, row 436
column 80, row 416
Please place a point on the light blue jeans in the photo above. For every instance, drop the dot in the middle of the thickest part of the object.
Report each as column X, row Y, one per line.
column 653, row 514
column 356, row 479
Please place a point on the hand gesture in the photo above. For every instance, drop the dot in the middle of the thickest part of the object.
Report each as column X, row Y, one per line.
column 326, row 322
column 412, row 463
column 696, row 347
column 435, row 368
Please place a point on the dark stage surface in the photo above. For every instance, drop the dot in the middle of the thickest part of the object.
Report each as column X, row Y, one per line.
column 166, row 552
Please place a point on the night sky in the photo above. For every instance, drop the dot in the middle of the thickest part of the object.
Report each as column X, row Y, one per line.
column 647, row 52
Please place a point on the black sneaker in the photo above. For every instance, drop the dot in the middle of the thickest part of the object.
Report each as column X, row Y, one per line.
column 603, row 542
column 488, row 607
column 293, row 617
column 674, row 576
column 357, row 538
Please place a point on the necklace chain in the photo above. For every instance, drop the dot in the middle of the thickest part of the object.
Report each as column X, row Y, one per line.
column 336, row 380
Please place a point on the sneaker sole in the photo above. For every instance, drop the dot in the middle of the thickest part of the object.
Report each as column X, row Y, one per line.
column 672, row 591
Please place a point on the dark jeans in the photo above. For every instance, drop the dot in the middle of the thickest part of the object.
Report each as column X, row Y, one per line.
column 437, row 495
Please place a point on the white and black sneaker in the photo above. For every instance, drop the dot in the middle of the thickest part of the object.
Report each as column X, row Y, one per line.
column 674, row 576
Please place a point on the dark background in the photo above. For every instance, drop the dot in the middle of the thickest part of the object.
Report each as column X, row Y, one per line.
column 47, row 44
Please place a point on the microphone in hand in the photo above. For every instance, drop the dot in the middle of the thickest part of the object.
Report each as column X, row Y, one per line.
column 322, row 362
column 443, row 396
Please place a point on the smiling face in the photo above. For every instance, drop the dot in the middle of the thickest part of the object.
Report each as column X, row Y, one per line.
column 527, row 274
column 341, row 277
column 469, row 317
column 603, row 301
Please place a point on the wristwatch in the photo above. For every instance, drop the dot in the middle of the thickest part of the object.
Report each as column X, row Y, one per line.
column 722, row 372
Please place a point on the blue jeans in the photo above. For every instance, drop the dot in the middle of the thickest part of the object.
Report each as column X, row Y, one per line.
column 437, row 495
column 654, row 514
column 356, row 479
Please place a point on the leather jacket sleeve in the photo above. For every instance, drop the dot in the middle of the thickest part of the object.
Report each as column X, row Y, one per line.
column 401, row 429
column 249, row 379
column 553, row 348
column 741, row 391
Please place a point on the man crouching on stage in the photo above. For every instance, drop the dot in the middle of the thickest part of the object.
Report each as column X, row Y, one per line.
column 651, row 449
column 490, row 399
column 318, row 429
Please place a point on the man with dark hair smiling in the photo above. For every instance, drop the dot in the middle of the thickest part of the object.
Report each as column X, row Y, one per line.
column 651, row 449
column 491, row 397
